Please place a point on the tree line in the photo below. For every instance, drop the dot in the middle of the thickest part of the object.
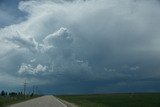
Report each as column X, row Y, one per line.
column 12, row 94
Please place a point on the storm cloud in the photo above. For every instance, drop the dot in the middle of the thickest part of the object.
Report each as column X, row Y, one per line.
column 101, row 44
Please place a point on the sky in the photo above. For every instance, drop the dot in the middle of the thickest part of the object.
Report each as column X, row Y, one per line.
column 80, row 46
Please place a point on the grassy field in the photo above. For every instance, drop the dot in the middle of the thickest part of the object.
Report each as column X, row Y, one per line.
column 115, row 100
column 6, row 100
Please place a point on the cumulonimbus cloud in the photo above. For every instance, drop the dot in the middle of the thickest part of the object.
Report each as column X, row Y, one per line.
column 58, row 47
column 93, row 39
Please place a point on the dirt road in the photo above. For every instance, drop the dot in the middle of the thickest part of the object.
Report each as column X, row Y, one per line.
column 44, row 101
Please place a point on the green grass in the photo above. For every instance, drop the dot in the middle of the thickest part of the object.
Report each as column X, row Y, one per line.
column 115, row 100
column 6, row 100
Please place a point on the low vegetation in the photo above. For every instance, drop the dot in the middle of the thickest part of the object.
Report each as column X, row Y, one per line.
column 13, row 97
column 115, row 100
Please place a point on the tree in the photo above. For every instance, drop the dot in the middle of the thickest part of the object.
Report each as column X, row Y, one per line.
column 3, row 93
column 12, row 94
column 31, row 95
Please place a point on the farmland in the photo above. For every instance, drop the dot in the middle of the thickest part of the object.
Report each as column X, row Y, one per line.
column 115, row 100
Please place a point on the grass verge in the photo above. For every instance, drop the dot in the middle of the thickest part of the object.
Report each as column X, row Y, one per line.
column 7, row 100
column 115, row 100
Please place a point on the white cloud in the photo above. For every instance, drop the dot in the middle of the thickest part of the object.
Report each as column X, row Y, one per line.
column 40, row 68
column 61, row 38
column 33, row 60
column 57, row 42
column 134, row 68
column 109, row 70
column 29, row 69
column 24, row 42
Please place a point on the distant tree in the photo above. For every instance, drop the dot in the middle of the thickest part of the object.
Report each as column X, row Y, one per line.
column 19, row 93
column 31, row 95
column 3, row 93
column 12, row 94
column 6, row 93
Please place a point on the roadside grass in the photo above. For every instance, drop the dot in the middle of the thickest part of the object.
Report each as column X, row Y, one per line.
column 7, row 100
column 115, row 100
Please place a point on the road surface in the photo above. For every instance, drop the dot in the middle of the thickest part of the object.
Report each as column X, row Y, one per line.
column 44, row 101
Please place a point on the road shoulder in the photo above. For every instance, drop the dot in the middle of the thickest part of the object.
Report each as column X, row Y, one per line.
column 67, row 103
